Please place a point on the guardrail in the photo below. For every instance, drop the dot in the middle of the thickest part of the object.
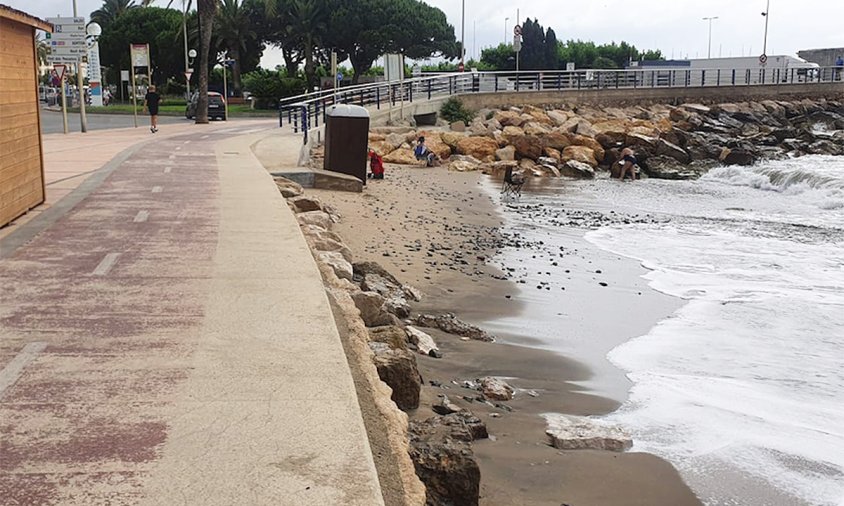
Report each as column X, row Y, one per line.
column 304, row 112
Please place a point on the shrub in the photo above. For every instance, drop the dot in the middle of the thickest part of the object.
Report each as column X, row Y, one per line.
column 454, row 110
column 268, row 87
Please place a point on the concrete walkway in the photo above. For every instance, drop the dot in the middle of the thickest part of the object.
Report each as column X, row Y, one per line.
column 168, row 341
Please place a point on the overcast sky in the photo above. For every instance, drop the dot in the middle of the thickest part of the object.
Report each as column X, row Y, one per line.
column 676, row 27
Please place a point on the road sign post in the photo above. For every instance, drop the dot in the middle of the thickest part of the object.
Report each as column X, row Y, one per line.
column 67, row 45
column 60, row 71
column 138, row 57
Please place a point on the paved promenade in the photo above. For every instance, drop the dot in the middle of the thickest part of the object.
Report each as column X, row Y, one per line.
column 167, row 339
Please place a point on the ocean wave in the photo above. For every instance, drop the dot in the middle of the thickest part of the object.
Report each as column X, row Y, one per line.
column 791, row 177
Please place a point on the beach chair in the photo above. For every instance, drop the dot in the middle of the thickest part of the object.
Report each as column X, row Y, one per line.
column 512, row 186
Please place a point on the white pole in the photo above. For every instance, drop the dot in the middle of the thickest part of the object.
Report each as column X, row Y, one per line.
column 709, row 46
column 517, row 53
column 63, row 91
column 505, row 29
column 225, row 89
column 80, row 83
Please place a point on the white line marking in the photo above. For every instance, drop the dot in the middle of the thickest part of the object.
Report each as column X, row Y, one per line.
column 141, row 216
column 156, row 189
column 178, row 148
column 172, row 157
column 106, row 264
column 204, row 137
column 14, row 369
column 167, row 170
column 187, row 142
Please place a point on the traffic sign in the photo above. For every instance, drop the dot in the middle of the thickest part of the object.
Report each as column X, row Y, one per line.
column 763, row 59
column 188, row 73
column 60, row 70
column 517, row 43
column 517, row 30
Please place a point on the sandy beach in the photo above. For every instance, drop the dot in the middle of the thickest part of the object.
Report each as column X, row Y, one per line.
column 439, row 231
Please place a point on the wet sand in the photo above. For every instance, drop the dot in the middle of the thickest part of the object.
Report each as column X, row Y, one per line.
column 438, row 231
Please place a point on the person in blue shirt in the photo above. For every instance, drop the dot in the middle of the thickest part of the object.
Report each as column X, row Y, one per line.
column 421, row 152
column 839, row 66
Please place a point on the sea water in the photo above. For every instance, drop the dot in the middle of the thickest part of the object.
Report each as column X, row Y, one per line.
column 742, row 388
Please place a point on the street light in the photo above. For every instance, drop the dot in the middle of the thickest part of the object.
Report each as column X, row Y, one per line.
column 709, row 47
column 463, row 34
column 765, row 14
column 505, row 29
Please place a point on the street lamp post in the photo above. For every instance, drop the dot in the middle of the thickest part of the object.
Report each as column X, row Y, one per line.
column 765, row 14
column 709, row 46
column 505, row 29
column 185, row 32
column 80, row 83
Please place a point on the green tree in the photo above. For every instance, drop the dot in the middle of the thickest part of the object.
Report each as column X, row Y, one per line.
column 501, row 57
column 111, row 11
column 306, row 24
column 552, row 50
column 532, row 56
column 41, row 50
column 234, row 31
column 160, row 28
column 603, row 62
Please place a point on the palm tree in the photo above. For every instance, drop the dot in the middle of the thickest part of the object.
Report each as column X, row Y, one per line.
column 206, row 9
column 111, row 10
column 307, row 19
column 41, row 50
column 234, row 32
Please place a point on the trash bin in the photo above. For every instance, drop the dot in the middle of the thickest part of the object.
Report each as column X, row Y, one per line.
column 346, row 140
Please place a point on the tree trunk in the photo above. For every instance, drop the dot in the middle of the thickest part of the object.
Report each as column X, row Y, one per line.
column 310, row 67
column 291, row 63
column 206, row 10
column 237, row 86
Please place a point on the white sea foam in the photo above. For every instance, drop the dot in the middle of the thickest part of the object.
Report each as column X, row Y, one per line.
column 747, row 379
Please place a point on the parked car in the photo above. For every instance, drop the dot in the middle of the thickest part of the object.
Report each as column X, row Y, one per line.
column 216, row 106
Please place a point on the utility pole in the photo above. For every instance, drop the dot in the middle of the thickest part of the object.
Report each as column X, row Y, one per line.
column 80, row 83
column 709, row 47
column 765, row 42
column 518, row 23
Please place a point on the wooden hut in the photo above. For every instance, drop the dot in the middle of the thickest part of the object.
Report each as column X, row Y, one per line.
column 21, row 153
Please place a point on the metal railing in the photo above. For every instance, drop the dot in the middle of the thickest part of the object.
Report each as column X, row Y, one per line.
column 308, row 111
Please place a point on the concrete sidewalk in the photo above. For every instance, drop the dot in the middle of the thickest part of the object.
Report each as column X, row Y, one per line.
column 168, row 340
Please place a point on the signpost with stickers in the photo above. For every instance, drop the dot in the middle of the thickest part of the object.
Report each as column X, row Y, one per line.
column 67, row 45
column 138, row 58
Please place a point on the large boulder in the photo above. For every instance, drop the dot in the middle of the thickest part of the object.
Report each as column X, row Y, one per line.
column 570, row 125
column 581, row 433
column 496, row 389
column 736, row 157
column 319, row 219
column 580, row 170
column 538, row 115
column 288, row 188
column 397, row 368
column 450, row 324
column 402, row 156
column 613, row 131
column 534, row 128
column 466, row 164
column 507, row 153
column 589, row 142
column 335, row 260
column 509, row 118
column 374, row 278
column 558, row 118
column 665, row 148
column 424, row 343
column 304, row 204
column 392, row 335
column 580, row 154
column 445, row 463
column 383, row 148
column 556, row 139
column 664, row 167
column 328, row 244
column 372, row 311
column 482, row 148
column 452, row 139
column 527, row 146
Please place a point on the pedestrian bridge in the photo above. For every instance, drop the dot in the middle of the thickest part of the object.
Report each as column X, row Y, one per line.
column 424, row 95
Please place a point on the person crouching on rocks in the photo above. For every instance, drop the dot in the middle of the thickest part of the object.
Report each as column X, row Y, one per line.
column 628, row 164
column 423, row 153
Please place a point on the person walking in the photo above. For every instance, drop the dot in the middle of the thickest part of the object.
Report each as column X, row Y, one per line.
column 151, row 101
column 839, row 67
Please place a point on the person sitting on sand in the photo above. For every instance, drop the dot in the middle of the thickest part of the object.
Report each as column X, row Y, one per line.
column 628, row 164
column 423, row 153
column 376, row 165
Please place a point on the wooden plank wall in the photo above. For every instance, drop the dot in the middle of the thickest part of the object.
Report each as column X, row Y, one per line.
column 21, row 157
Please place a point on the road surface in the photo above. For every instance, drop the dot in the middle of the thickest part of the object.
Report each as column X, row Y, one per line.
column 51, row 122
